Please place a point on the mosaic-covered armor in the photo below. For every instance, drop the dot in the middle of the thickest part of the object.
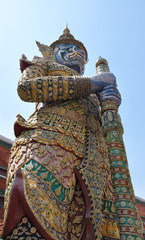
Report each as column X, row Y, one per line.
column 64, row 178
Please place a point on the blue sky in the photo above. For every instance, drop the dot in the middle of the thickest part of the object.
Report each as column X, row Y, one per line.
column 113, row 29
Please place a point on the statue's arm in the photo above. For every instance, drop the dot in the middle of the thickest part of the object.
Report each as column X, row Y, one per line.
column 35, row 86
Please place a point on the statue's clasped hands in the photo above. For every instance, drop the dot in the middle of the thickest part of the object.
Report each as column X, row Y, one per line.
column 104, row 85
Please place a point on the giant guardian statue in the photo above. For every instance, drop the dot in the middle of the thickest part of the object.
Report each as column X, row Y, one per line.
column 68, row 175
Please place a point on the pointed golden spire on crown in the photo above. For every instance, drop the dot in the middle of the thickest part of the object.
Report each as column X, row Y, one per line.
column 66, row 33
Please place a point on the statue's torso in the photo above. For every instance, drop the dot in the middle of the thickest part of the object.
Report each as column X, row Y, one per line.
column 57, row 139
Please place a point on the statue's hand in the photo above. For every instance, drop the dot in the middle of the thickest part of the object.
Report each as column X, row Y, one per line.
column 100, row 81
column 110, row 92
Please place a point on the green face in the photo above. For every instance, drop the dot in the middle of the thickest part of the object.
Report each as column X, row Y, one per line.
column 71, row 56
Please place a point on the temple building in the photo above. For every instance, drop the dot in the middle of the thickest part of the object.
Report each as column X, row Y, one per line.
column 5, row 146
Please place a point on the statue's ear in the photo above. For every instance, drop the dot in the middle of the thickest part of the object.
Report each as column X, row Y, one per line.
column 46, row 51
column 56, row 49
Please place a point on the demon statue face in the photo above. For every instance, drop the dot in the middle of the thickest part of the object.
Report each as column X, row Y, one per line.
column 71, row 56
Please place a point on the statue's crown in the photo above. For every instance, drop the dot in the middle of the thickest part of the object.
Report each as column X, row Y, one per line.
column 67, row 37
